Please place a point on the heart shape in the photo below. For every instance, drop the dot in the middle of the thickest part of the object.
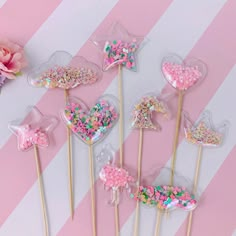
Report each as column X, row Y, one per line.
column 182, row 75
column 90, row 125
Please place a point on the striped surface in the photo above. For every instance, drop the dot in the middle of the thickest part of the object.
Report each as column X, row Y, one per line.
column 203, row 29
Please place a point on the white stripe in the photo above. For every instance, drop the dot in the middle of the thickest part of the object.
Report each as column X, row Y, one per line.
column 139, row 83
column 67, row 28
column 2, row 2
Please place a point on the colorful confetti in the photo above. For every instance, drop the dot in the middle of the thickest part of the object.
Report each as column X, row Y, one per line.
column 165, row 197
column 202, row 134
column 66, row 77
column 142, row 112
column 181, row 77
column 119, row 52
column 91, row 126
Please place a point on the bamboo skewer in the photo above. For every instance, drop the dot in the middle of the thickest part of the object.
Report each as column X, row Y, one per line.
column 70, row 164
column 121, row 125
column 116, row 215
column 158, row 222
column 140, row 151
column 176, row 137
column 41, row 192
column 173, row 162
column 199, row 159
column 91, row 169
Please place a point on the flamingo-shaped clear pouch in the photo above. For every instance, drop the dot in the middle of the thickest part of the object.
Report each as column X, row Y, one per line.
column 115, row 179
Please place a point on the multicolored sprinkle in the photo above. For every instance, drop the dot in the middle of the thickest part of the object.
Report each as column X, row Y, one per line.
column 202, row 135
column 91, row 125
column 165, row 197
column 181, row 77
column 119, row 52
column 142, row 112
column 66, row 77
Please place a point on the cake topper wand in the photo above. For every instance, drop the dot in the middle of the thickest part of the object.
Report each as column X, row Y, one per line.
column 65, row 72
column 142, row 120
column 35, row 134
column 203, row 134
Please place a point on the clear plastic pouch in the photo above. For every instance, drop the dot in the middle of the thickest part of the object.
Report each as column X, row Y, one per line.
column 64, row 71
column 119, row 47
column 114, row 178
column 35, row 129
column 91, row 125
column 204, row 133
column 143, row 112
column 183, row 74
column 162, row 195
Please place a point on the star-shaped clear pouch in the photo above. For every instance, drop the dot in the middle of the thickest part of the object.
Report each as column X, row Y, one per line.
column 118, row 47
column 35, row 129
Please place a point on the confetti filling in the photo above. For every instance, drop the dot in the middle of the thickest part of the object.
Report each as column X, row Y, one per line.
column 91, row 126
column 114, row 177
column 165, row 197
column 28, row 137
column 119, row 52
column 202, row 135
column 181, row 77
column 66, row 77
column 142, row 112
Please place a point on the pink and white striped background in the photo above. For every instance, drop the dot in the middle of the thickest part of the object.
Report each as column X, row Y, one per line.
column 199, row 28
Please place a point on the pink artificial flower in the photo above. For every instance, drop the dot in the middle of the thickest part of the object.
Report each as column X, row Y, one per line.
column 12, row 59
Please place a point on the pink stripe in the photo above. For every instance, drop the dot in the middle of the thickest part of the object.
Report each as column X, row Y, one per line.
column 216, row 215
column 22, row 164
column 209, row 49
column 19, row 20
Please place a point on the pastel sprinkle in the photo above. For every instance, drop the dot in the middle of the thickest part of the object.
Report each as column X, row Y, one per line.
column 91, row 125
column 142, row 112
column 66, row 77
column 203, row 135
column 119, row 52
column 165, row 197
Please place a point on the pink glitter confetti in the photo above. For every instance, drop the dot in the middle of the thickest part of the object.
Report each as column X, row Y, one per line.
column 35, row 132
column 181, row 77
column 114, row 177
column 29, row 137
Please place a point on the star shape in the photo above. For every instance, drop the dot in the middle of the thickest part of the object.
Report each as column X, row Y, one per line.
column 119, row 47
column 33, row 130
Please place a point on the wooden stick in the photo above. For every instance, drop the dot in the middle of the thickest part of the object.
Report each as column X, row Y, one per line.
column 70, row 164
column 91, row 168
column 196, row 177
column 140, row 151
column 117, row 223
column 158, row 222
column 176, row 137
column 41, row 191
column 121, row 129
